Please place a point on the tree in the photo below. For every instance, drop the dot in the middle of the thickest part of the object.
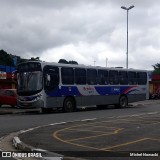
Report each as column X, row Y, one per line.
column 73, row 62
column 13, row 60
column 156, row 66
column 34, row 59
column 20, row 60
column 63, row 61
column 66, row 62
column 5, row 58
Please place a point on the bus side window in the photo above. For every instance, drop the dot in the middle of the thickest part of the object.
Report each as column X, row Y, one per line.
column 123, row 77
column 132, row 78
column 91, row 76
column 142, row 78
column 80, row 76
column 102, row 77
column 67, row 75
column 113, row 77
column 51, row 78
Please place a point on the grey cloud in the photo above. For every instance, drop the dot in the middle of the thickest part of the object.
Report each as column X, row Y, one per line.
column 33, row 27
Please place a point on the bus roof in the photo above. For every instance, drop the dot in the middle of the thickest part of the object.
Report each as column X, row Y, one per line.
column 83, row 66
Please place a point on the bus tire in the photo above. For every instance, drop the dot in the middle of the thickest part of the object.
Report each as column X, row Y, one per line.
column 123, row 102
column 69, row 105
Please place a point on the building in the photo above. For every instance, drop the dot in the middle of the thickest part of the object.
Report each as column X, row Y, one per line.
column 6, row 77
column 154, row 86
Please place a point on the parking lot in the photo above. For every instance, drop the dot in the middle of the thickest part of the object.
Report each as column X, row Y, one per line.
column 114, row 132
column 107, row 137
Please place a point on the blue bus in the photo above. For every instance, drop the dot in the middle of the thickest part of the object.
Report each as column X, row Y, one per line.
column 48, row 85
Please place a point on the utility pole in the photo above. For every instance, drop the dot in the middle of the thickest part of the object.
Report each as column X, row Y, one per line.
column 127, row 9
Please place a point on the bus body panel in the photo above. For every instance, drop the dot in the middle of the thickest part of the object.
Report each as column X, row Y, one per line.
column 57, row 102
column 94, row 95
column 38, row 75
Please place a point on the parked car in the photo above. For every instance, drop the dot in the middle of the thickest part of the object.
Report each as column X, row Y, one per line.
column 8, row 97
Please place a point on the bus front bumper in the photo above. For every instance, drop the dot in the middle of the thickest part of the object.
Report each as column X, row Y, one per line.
column 25, row 104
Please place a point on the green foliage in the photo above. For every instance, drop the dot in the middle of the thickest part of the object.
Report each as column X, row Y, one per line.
column 72, row 62
column 63, row 61
column 156, row 68
column 66, row 62
column 20, row 60
column 34, row 59
column 6, row 59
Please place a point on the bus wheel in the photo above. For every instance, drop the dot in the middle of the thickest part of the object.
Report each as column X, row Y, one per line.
column 69, row 105
column 123, row 102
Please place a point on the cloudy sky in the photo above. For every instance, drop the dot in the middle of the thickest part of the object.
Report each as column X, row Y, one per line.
column 91, row 32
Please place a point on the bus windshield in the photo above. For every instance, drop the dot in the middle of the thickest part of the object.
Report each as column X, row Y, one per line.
column 29, row 79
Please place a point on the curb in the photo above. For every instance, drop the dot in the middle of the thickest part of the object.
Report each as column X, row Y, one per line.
column 19, row 145
column 9, row 111
column 4, row 113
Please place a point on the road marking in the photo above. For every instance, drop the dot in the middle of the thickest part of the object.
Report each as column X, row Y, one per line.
column 75, row 144
column 100, row 135
column 128, row 143
column 86, row 130
column 122, row 119
column 125, row 144
column 55, row 135
column 88, row 119
column 154, row 139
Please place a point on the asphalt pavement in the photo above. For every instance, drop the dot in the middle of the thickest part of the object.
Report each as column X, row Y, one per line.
column 124, row 136
column 6, row 109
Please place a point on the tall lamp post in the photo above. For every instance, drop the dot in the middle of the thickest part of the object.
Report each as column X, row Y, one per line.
column 127, row 9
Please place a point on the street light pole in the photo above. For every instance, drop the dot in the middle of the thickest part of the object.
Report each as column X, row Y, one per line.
column 127, row 9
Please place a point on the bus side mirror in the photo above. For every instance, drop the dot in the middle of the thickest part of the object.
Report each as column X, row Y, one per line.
column 48, row 79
